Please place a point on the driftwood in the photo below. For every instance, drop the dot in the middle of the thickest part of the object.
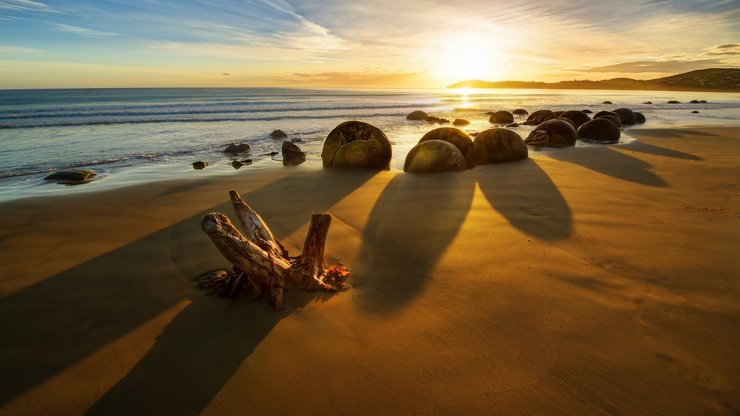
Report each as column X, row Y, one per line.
column 260, row 262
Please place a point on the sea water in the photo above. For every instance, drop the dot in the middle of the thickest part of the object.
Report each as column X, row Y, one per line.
column 132, row 136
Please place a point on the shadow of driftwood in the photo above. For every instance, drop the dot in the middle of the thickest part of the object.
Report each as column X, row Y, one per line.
column 541, row 212
column 614, row 163
column 413, row 221
column 61, row 320
column 659, row 151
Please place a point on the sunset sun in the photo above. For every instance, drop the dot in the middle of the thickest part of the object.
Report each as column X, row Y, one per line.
column 469, row 56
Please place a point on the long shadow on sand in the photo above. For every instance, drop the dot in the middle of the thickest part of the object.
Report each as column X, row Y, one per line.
column 605, row 160
column 413, row 221
column 417, row 217
column 541, row 211
column 59, row 321
column 659, row 151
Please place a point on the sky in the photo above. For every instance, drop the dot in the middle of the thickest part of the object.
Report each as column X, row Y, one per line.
column 357, row 43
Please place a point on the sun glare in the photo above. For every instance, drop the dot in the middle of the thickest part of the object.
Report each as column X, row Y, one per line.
column 469, row 57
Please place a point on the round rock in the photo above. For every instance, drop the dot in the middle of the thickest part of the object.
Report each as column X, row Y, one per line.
column 627, row 116
column 460, row 122
column 520, row 112
column 538, row 117
column 501, row 117
column 496, row 145
column 457, row 138
column 354, row 144
column 576, row 116
column 434, row 156
column 72, row 176
column 599, row 130
column 417, row 115
column 553, row 133
column 639, row 117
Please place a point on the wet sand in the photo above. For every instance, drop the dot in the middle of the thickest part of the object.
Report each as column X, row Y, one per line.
column 581, row 281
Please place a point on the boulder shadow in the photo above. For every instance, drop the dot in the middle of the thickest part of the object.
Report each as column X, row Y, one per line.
column 540, row 212
column 65, row 318
column 414, row 220
column 643, row 147
column 610, row 162
column 671, row 133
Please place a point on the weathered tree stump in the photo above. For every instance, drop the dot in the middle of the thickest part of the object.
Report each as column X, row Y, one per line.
column 260, row 262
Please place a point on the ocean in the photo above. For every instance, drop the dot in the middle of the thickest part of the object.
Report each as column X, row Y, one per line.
column 131, row 136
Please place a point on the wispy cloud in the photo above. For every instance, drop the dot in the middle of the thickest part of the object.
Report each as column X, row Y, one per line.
column 77, row 30
column 366, row 77
column 23, row 5
column 18, row 49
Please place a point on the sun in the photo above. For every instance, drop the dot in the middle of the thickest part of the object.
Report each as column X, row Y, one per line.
column 468, row 56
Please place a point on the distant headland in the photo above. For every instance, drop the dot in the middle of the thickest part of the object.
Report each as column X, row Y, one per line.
column 712, row 79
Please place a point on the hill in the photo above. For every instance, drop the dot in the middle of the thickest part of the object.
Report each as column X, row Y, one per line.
column 712, row 79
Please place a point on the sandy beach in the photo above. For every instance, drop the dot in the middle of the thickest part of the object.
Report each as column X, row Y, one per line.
column 588, row 280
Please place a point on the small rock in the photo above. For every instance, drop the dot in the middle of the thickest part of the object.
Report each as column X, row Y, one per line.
column 292, row 154
column 278, row 134
column 443, row 121
column 520, row 112
column 702, row 101
column 270, row 154
column 417, row 115
column 296, row 140
column 199, row 165
column 694, row 102
column 648, row 102
column 587, row 111
column 607, row 102
column 674, row 102
column 71, row 176
column 513, row 125
column 239, row 163
column 460, row 122
column 694, row 112
column 234, row 149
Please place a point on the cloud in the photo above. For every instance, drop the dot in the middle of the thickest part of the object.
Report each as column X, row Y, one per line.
column 90, row 33
column 728, row 49
column 368, row 77
column 17, row 49
column 668, row 66
column 728, row 46
column 226, row 74
column 23, row 5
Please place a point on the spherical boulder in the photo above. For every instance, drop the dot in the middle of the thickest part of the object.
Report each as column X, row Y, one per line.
column 417, row 115
column 71, row 176
column 354, row 144
column 538, row 117
column 599, row 130
column 200, row 165
column 501, row 117
column 606, row 102
column 576, row 116
column 639, row 117
column 553, row 133
column 460, row 122
column 611, row 116
column 627, row 116
column 520, row 112
column 457, row 138
column 434, row 156
column 496, row 145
